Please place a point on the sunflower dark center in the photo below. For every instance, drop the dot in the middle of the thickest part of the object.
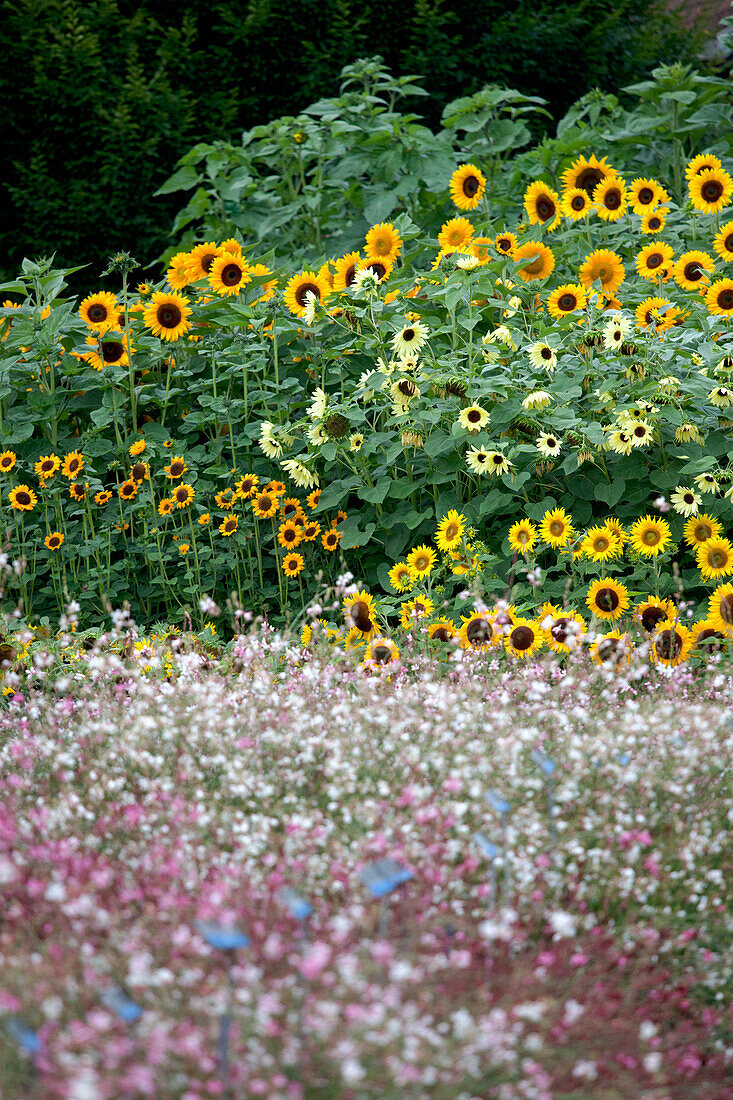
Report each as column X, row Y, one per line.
column 360, row 616
column 728, row 243
column 138, row 471
column 601, row 544
column 717, row 559
column 557, row 528
column 607, row 648
column 607, row 599
column 551, row 441
column 612, row 199
column 54, row 541
column 231, row 274
column 350, row 274
column 589, row 179
column 23, row 497
column 470, row 186
column 711, row 639
column 645, row 196
column 382, row 654
column 725, row 298
column 207, row 261
column 655, row 260
column 640, row 432
column 378, row 268
column 181, row 493
column 97, row 313
column 169, row 315
column 479, row 631
column 474, row 416
column 303, row 290
column 177, row 469
column 536, row 266
column 408, row 335
column 577, row 202
column 522, row 637
column 651, row 617
column 442, row 634
column 668, row 644
column 567, row 302
column 546, row 353
column 726, row 609
column 47, row 466
column 559, row 630
column 451, row 531
column 231, row 523
column 290, row 535
column 545, row 207
column 693, row 271
column 655, row 223
column 112, row 351
column 711, row 190
column 651, row 537
column 503, row 244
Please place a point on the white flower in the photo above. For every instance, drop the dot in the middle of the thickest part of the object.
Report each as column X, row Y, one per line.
column 300, row 474
column 542, row 356
column 317, row 407
column 652, row 1062
column 268, row 442
column 310, row 308
column 365, row 282
column 317, row 435
column 615, row 331
column 563, row 924
column 467, row 262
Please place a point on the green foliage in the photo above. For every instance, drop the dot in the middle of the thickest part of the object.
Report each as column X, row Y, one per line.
column 102, row 99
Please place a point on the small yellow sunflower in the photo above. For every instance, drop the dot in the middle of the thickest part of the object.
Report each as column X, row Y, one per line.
column 102, row 497
column 645, row 194
column 165, row 507
column 524, row 638
column 137, row 448
column 290, row 534
column 99, row 310
column 566, row 300
column 450, row 531
column 442, row 630
column 300, row 286
column 505, row 243
column 128, row 490
column 53, row 541
column 77, row 491
column 607, row 598
column 455, row 234
column 359, row 612
column 719, row 298
column 649, row 536
column 654, row 261
column 720, row 612
column 647, row 313
column 715, row 558
column 467, row 186
column 576, row 203
column 705, row 638
column 384, row 242
column 7, row 461
column 176, row 468
column 182, row 495
column 177, row 274
column 698, row 529
column 540, row 261
column 655, row 220
column 710, row 190
column 47, row 466
column 201, row 259
column 556, row 528
column 723, row 243
column 73, row 464
column 228, row 526
column 692, row 270
column 229, row 273
column 22, row 498
column 346, row 269
column 167, row 315
column 703, row 162
column 478, row 633
column 381, row 652
column 587, row 173
column 330, row 540
column 247, row 486
column 609, row 199
column 542, row 205
column 671, row 645
column 400, row 577
column 264, row 504
column 522, row 536
column 412, row 611
column 612, row 650
column 604, row 266
column 420, row 561
column 563, row 629
column 600, row 544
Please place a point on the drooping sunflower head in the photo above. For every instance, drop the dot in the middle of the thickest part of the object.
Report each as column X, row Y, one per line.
column 586, row 173
column 467, row 186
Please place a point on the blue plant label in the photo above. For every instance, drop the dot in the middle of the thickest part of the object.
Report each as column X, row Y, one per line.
column 491, row 851
column 295, row 903
column 119, row 1002
column 543, row 762
column 222, row 936
column 383, row 876
column 497, row 803
column 26, row 1038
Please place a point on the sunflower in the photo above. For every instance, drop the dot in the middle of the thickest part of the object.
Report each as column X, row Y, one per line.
column 587, row 173
column 720, row 612
column 703, row 162
column 330, row 540
column 647, row 313
column 715, row 558
column 290, row 534
column 649, row 536
column 7, row 461
column 228, row 526
column 467, row 186
column 384, row 242
column 165, row 507
column 603, row 266
column 137, row 448
column 53, row 541
column 719, row 298
column 276, row 487
column 600, row 544
column 671, row 645
column 563, row 629
column 576, row 204
column 692, row 270
column 268, row 288
column 705, row 639
column 524, row 638
column 480, row 247
column 77, row 491
column 653, row 611
column 685, row 501
column 611, row 650
column 505, row 243
column 699, row 529
column 22, row 498
column 346, row 269
column 542, row 205
column 548, row 444
column 654, row 261
column 177, row 273
column 359, row 612
column 102, row 497
column 313, row 498
column 176, row 468
column 556, row 528
column 609, row 199
column 264, row 504
column 442, row 630
column 644, row 195
column 411, row 611
column 246, row 486
column 291, row 508
column 311, row 530
column 473, row 418
column 477, row 632
column 654, row 221
column 381, row 652
column 522, row 536
column 225, row 498
column 400, row 577
column 542, row 356
column 723, row 243
column 73, row 464
column 455, row 234
column 450, row 531
column 300, row 286
column 710, row 190
column 420, row 561
column 128, row 490
column 182, row 495
column 110, row 350
column 566, row 300
column 204, row 519
column 707, row 483
column 540, row 261
column 229, row 274
column 607, row 598
column 201, row 259
column 139, row 472
column 166, row 315
column 47, row 466
column 410, row 339
column 99, row 309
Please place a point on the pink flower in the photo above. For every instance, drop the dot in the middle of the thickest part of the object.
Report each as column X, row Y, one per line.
column 315, row 960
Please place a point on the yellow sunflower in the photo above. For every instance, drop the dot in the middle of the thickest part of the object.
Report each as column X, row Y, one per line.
column 73, row 464
column 290, row 534
column 300, row 286
column 54, row 541
column 268, row 288
column 607, row 598
column 247, row 486
column 473, row 418
column 719, row 298
column 420, row 561
column 201, row 259
column 359, row 612
column 671, row 645
column 99, row 310
column 176, row 468
column 477, row 632
column 693, row 269
column 293, row 564
column 442, row 630
column 522, row 536
column 128, row 490
column 111, row 350
column 566, row 300
column 228, row 274
column 611, row 650
column 384, row 242
column 723, row 243
column 450, row 531
column 703, row 162
column 710, row 191
column 400, row 577
column 603, row 266
column 524, row 638
column 576, row 203
column 22, row 498
column 102, row 497
column 556, row 528
column 182, row 495
column 563, row 629
column 715, row 558
column 77, row 491
column 412, row 611
column 346, row 269
column 651, row 612
column 7, row 461
column 654, row 221
column 47, row 466
column 382, row 652
column 540, row 261
column 139, row 472
column 467, row 186
column 165, row 507
column 264, row 504
column 654, row 261
column 177, row 273
column 705, row 638
column 542, row 205
column 167, row 315
column 600, row 544
column 330, row 540
column 720, row 612
column 650, row 536
column 587, row 173
column 647, row 313
column 505, row 243
column 698, row 529
column 455, row 234
column 644, row 195
column 609, row 199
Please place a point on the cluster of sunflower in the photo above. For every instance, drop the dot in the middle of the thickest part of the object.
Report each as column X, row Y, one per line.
column 652, row 622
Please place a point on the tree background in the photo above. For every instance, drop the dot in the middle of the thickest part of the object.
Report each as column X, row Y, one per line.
column 102, row 98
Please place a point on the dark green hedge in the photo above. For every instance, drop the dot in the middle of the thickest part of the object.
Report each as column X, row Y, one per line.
column 102, row 98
